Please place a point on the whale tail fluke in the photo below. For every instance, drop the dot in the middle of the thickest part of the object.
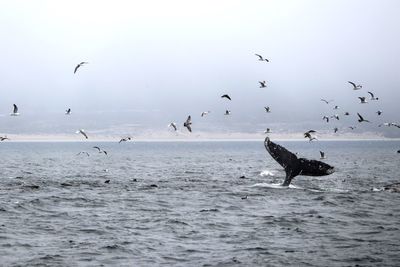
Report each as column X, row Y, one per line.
column 296, row 166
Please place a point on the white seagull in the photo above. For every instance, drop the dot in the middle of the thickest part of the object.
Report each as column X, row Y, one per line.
column 372, row 96
column 204, row 113
column 355, row 87
column 173, row 125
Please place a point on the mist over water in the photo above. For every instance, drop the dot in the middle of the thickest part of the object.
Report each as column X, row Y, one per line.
column 180, row 203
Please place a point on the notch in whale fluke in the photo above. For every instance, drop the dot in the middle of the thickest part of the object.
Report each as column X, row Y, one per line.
column 296, row 166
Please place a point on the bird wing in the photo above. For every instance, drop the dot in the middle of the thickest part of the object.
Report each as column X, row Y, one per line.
column 361, row 118
column 98, row 148
column 325, row 101
column 352, row 84
column 189, row 120
column 259, row 56
column 15, row 108
column 372, row 95
column 76, row 68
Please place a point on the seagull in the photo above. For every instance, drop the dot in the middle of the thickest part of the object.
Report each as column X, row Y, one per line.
column 267, row 109
column 204, row 113
column 352, row 127
column 346, row 113
column 267, row 131
column 325, row 118
column 124, row 139
column 260, row 58
column 68, row 111
column 389, row 124
column 336, row 116
column 262, row 84
column 227, row 112
column 336, row 107
column 335, row 129
column 379, row 112
column 326, row 101
column 15, row 111
column 173, row 125
column 188, row 123
column 82, row 132
column 83, row 153
column 362, row 99
column 355, row 87
column 322, row 153
column 226, row 96
column 4, row 138
column 372, row 96
column 80, row 65
column 309, row 136
column 100, row 151
column 361, row 119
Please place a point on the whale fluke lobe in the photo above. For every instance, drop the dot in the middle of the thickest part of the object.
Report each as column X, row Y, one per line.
column 296, row 166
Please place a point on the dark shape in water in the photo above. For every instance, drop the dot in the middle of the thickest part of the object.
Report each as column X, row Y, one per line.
column 296, row 166
column 107, row 181
column 392, row 187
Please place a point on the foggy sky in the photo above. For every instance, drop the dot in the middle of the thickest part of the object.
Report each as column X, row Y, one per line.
column 153, row 62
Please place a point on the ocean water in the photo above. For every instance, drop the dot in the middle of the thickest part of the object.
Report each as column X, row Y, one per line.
column 196, row 204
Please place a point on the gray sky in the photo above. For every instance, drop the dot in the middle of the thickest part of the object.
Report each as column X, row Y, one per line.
column 153, row 62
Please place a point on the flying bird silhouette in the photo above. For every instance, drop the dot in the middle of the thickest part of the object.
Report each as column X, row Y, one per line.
column 326, row 101
column 68, row 112
column 361, row 119
column 188, row 124
column 15, row 111
column 80, row 65
column 82, row 132
column 173, row 125
column 372, row 96
column 355, row 87
column 226, row 96
column 262, row 84
column 260, row 58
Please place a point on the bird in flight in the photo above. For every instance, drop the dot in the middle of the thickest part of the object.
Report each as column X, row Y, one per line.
column 80, row 65
column 336, row 107
column 15, row 111
column 267, row 109
column 355, row 87
column 227, row 112
column 82, row 132
column 4, row 138
column 322, row 153
column 188, row 123
column 379, row 112
column 326, row 101
column 260, row 58
column 361, row 119
column 308, row 135
column 100, row 150
column 204, row 113
column 326, row 118
column 173, row 125
column 226, row 96
column 347, row 113
column 335, row 130
column 124, row 139
column 336, row 116
column 68, row 111
column 372, row 96
column 362, row 100
column 262, row 84
column 267, row 131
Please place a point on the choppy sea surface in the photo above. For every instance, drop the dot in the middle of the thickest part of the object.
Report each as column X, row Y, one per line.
column 196, row 204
